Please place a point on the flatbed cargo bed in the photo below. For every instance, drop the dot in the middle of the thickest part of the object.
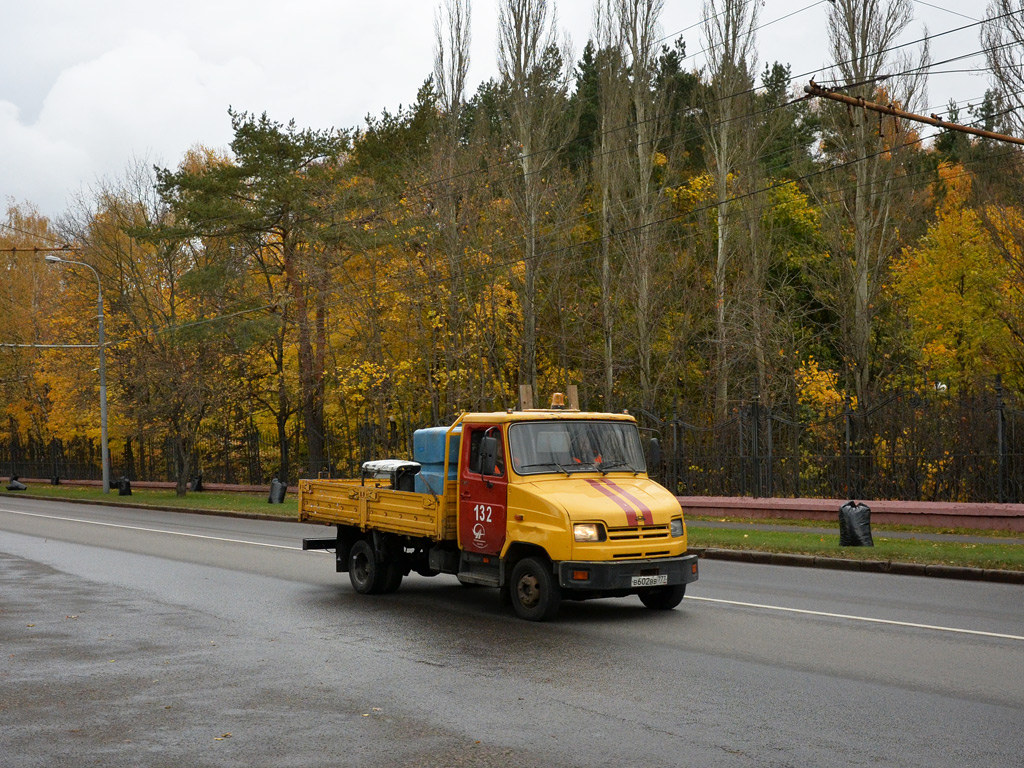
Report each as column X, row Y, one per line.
column 405, row 513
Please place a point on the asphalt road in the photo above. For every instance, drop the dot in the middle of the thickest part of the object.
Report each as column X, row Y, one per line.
column 131, row 637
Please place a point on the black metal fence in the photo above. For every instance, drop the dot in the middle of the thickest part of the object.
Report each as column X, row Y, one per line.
column 247, row 459
column 935, row 447
column 242, row 455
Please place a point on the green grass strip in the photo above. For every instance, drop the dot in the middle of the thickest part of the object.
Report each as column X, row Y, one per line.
column 964, row 555
column 217, row 501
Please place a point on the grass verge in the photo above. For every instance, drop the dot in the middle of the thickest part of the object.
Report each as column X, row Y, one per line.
column 989, row 532
column 205, row 500
column 964, row 555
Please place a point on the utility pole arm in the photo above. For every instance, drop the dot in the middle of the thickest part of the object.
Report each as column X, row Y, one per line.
column 816, row 90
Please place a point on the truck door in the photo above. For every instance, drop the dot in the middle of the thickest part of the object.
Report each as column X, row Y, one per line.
column 483, row 496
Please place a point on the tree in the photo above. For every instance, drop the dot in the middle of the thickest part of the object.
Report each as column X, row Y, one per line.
column 39, row 304
column 267, row 198
column 165, row 295
column 609, row 84
column 1002, row 37
column 534, row 76
column 953, row 284
column 730, row 42
column 639, row 32
column 862, row 222
column 450, row 163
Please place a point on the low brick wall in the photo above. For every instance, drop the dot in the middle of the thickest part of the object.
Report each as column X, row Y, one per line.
column 940, row 514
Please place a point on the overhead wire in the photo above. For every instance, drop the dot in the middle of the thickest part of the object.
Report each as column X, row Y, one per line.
column 410, row 281
column 416, row 280
column 947, row 10
column 265, row 307
column 373, row 203
column 744, row 92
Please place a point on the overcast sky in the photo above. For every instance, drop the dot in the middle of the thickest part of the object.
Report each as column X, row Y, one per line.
column 88, row 85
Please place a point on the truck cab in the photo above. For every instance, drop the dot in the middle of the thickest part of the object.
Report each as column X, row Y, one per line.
column 545, row 505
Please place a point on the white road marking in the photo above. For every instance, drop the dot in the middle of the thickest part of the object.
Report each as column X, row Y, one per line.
column 867, row 619
column 151, row 530
column 762, row 606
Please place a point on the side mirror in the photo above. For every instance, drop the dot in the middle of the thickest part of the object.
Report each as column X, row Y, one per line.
column 488, row 454
column 655, row 454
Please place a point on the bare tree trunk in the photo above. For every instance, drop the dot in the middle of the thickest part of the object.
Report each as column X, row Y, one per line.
column 451, row 63
column 638, row 22
column 538, row 126
column 860, row 34
column 1003, row 40
column 730, row 42
column 613, row 114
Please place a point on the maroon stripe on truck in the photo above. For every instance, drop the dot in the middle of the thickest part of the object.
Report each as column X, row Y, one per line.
column 645, row 514
column 630, row 512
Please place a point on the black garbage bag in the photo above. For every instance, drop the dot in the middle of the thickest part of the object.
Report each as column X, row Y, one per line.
column 124, row 487
column 277, row 491
column 855, row 525
column 197, row 483
column 16, row 485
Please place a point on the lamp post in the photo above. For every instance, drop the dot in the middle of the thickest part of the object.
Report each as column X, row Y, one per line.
column 104, row 448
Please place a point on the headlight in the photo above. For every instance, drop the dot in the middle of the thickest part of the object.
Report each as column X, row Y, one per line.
column 588, row 532
column 677, row 526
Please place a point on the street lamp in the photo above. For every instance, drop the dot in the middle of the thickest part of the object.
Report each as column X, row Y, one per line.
column 104, row 448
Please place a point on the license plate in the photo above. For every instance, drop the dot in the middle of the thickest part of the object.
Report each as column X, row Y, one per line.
column 649, row 581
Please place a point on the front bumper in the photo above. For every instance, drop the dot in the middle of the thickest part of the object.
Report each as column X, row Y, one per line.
column 618, row 575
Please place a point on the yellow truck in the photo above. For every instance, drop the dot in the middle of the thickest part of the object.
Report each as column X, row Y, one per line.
column 545, row 505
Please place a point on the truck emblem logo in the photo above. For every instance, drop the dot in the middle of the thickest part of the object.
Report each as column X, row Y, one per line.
column 478, row 535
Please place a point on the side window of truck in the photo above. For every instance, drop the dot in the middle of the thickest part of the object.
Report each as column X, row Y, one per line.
column 474, row 451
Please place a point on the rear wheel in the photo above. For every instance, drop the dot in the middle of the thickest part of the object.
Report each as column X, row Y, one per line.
column 535, row 594
column 393, row 579
column 366, row 573
column 663, row 598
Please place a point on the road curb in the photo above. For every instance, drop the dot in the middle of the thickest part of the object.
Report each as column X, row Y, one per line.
column 709, row 553
column 865, row 566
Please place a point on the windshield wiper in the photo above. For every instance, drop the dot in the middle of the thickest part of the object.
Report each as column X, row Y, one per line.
column 606, row 466
column 546, row 464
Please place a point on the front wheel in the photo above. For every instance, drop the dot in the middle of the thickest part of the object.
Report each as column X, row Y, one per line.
column 535, row 594
column 663, row 598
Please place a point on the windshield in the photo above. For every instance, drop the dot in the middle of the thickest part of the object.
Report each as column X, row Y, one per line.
column 575, row 446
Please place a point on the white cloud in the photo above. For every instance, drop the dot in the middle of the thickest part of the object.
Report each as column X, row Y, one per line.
column 85, row 87
column 36, row 167
column 149, row 95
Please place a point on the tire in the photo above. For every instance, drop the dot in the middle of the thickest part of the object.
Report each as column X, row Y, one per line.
column 393, row 579
column 663, row 598
column 535, row 594
column 365, row 571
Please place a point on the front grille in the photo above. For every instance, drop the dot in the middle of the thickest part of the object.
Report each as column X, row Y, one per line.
column 639, row 555
column 639, row 533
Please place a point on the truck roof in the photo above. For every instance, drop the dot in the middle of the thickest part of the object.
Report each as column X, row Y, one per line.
column 537, row 414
